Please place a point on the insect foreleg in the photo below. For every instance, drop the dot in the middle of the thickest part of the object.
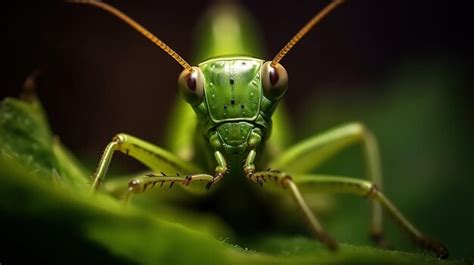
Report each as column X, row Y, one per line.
column 154, row 157
column 368, row 189
column 363, row 188
column 142, row 183
column 254, row 140
column 287, row 183
column 310, row 153
column 249, row 166
column 220, row 170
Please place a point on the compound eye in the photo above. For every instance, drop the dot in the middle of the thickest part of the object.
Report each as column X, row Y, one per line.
column 191, row 86
column 274, row 80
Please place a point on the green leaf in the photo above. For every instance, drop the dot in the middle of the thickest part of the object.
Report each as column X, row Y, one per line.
column 25, row 136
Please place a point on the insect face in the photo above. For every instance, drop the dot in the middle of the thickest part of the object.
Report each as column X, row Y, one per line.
column 233, row 88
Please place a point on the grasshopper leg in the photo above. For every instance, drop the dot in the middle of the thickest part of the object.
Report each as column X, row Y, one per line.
column 363, row 188
column 288, row 184
column 154, row 157
column 314, row 224
column 143, row 183
column 312, row 152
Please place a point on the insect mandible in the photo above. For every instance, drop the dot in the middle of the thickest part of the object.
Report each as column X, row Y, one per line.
column 234, row 99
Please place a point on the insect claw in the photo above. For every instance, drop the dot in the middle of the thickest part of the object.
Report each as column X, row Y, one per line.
column 171, row 185
column 162, row 182
column 209, row 184
column 163, row 174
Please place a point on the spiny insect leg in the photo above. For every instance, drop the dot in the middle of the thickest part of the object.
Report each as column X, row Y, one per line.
column 363, row 188
column 287, row 183
column 143, row 183
column 310, row 153
column 152, row 156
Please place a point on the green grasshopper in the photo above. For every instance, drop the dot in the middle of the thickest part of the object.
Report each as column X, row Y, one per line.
column 235, row 99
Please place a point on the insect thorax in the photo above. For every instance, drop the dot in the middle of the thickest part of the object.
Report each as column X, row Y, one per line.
column 234, row 112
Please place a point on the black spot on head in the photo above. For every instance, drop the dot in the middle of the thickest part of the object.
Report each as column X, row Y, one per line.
column 231, row 81
column 242, row 106
column 232, row 101
column 225, row 106
column 243, row 63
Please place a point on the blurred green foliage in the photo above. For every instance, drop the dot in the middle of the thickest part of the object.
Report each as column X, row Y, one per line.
column 48, row 214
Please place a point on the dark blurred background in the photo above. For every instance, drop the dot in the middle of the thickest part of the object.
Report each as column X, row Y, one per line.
column 403, row 67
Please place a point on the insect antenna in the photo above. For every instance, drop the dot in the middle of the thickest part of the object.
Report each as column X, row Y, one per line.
column 317, row 18
column 114, row 11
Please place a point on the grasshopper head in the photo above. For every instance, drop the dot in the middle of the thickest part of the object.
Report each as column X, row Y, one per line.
column 233, row 87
